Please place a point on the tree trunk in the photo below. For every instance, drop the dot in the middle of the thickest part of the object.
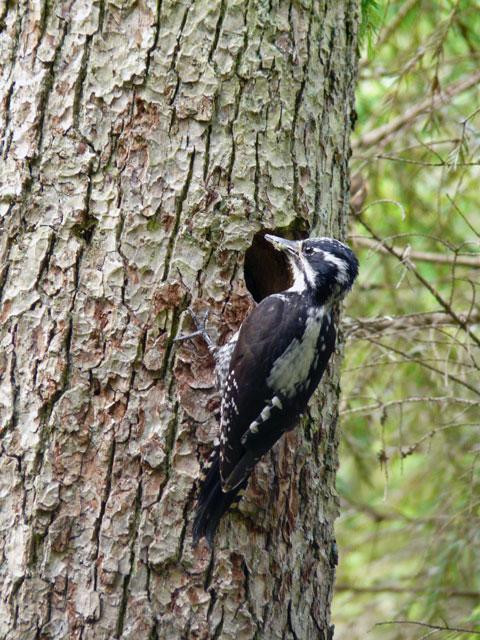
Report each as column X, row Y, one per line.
column 144, row 143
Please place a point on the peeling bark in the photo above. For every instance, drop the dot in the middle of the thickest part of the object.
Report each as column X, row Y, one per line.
column 143, row 144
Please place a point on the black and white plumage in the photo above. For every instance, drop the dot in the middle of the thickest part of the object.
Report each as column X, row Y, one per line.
column 223, row 357
column 276, row 363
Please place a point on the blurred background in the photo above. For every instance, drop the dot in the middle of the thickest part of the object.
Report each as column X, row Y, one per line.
column 409, row 478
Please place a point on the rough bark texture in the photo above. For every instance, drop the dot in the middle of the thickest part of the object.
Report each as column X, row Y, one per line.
column 143, row 144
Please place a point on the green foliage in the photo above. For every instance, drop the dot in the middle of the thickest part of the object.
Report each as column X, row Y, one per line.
column 409, row 478
column 370, row 22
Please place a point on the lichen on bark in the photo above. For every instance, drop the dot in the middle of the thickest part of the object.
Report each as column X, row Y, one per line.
column 143, row 145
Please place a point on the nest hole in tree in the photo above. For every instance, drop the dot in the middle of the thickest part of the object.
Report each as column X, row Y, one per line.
column 265, row 268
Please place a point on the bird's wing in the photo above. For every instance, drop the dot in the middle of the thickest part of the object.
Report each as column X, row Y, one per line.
column 247, row 399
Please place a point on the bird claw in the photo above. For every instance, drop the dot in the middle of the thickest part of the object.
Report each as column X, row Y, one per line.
column 200, row 325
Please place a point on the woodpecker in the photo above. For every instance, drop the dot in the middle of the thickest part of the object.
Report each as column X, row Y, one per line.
column 274, row 364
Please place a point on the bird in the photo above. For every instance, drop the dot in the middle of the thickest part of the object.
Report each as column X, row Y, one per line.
column 270, row 368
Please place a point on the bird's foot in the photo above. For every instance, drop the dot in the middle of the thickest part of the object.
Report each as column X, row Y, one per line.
column 200, row 326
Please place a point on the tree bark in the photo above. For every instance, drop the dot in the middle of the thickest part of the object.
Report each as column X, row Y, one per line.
column 144, row 143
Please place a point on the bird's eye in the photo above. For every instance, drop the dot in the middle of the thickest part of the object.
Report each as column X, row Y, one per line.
column 308, row 251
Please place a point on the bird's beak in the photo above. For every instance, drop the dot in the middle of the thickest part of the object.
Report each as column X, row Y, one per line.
column 282, row 244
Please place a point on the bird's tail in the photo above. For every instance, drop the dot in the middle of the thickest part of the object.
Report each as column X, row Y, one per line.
column 212, row 502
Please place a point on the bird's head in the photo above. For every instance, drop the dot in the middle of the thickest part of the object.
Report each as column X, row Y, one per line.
column 324, row 266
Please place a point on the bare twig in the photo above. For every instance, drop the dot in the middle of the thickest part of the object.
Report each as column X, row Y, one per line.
column 412, row 448
column 412, row 268
column 396, row 589
column 382, row 134
column 423, row 163
column 429, row 626
column 463, row 216
column 422, row 256
column 368, row 408
column 387, row 516
column 363, row 327
column 423, row 363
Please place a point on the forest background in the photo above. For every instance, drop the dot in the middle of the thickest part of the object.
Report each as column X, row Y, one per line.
column 409, row 476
